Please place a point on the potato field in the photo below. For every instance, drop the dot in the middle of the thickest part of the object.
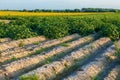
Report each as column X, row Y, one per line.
column 61, row 47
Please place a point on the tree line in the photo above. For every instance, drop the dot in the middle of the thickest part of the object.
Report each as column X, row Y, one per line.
column 69, row 10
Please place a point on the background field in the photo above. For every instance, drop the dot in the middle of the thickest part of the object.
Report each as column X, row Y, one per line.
column 55, row 25
column 15, row 13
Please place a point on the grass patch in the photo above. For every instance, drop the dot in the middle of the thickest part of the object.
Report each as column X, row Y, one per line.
column 95, row 78
column 64, row 44
column 36, row 43
column 117, row 51
column 40, row 50
column 55, row 57
column 32, row 77
column 14, row 58
column 118, row 55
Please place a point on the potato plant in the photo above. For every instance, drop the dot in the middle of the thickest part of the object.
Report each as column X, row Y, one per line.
column 59, row 26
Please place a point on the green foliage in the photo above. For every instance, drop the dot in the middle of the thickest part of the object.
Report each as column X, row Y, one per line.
column 99, row 10
column 32, row 77
column 14, row 58
column 21, row 44
column 53, row 32
column 19, row 21
column 118, row 54
column 86, row 29
column 65, row 44
column 3, row 30
column 36, row 43
column 111, row 31
column 59, row 26
column 36, row 25
column 16, row 32
column 74, row 25
column 40, row 51
column 20, row 32
column 97, row 23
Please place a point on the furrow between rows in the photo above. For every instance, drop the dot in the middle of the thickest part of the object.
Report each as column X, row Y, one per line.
column 113, row 75
column 33, row 49
column 16, row 67
column 49, row 71
column 16, row 43
column 92, row 69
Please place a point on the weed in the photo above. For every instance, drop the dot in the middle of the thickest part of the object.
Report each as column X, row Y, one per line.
column 65, row 44
column 0, row 53
column 117, row 51
column 36, row 43
column 108, row 58
column 40, row 50
column 0, row 41
column 95, row 78
column 14, row 58
column 21, row 44
column 32, row 77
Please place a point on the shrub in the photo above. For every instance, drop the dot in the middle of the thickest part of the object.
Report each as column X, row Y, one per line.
column 111, row 31
column 97, row 23
column 86, row 29
column 74, row 26
column 19, row 21
column 3, row 30
column 54, row 32
column 19, row 32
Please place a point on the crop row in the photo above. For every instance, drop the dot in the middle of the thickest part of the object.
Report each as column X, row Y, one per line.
column 29, row 62
column 21, row 52
column 113, row 75
column 92, row 69
column 60, row 26
column 50, row 71
column 20, row 43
